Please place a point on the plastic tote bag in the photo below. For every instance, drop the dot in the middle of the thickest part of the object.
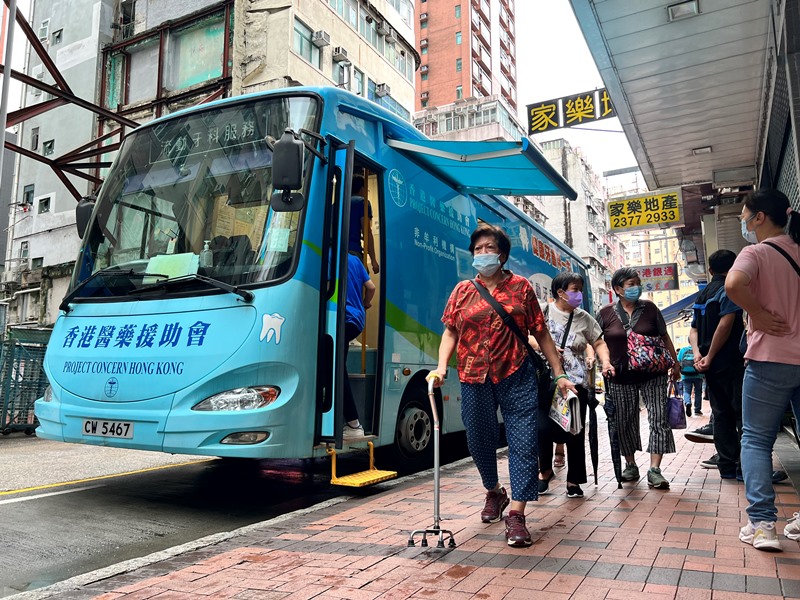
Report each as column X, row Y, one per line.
column 676, row 411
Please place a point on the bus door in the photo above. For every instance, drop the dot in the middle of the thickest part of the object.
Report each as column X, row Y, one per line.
column 332, row 346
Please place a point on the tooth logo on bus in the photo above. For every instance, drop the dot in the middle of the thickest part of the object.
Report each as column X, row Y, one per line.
column 271, row 327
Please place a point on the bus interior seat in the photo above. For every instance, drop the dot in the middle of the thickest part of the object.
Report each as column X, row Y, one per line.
column 242, row 253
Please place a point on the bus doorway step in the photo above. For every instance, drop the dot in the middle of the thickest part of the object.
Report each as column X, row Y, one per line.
column 364, row 478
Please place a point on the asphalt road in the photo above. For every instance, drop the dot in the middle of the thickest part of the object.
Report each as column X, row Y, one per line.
column 69, row 509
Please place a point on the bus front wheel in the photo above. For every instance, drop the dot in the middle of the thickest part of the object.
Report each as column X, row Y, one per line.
column 414, row 435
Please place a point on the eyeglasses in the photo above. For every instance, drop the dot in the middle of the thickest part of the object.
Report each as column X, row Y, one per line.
column 746, row 219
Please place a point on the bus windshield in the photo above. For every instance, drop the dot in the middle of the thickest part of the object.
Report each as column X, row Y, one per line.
column 190, row 196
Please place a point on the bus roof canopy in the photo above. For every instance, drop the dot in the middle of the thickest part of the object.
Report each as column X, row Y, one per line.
column 504, row 168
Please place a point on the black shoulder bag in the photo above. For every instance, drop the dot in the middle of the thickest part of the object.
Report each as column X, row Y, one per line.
column 785, row 255
column 544, row 375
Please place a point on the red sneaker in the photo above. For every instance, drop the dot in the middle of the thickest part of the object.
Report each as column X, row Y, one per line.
column 496, row 503
column 516, row 532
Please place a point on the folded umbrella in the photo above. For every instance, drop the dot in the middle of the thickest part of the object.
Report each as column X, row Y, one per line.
column 593, row 402
column 613, row 435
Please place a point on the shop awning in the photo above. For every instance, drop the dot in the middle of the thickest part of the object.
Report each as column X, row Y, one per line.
column 678, row 310
column 495, row 168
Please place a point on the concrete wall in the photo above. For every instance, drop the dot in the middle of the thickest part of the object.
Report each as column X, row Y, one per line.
column 263, row 57
column 152, row 13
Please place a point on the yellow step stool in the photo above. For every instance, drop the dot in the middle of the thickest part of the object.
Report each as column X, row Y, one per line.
column 364, row 478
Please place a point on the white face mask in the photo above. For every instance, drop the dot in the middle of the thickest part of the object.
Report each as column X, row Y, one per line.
column 486, row 264
column 749, row 236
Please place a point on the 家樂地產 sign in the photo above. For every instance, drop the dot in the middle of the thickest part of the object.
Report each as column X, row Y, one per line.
column 654, row 210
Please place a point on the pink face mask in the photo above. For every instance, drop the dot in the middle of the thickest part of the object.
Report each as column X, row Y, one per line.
column 574, row 299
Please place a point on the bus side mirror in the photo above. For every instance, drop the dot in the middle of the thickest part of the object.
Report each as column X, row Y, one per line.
column 287, row 162
column 287, row 173
column 83, row 212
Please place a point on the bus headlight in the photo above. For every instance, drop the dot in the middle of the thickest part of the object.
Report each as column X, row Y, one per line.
column 249, row 398
column 244, row 438
column 48, row 394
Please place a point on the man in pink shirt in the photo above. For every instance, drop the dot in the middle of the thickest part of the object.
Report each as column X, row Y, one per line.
column 765, row 282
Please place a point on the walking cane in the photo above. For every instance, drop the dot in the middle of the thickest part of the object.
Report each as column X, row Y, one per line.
column 435, row 529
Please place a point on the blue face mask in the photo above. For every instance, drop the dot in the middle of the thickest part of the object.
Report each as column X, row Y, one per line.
column 486, row 264
column 632, row 293
column 749, row 236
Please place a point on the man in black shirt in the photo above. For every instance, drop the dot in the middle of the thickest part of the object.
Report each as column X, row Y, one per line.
column 717, row 327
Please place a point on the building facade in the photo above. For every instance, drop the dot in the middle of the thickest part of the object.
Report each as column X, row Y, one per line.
column 466, row 84
column 143, row 59
column 582, row 224
column 468, row 50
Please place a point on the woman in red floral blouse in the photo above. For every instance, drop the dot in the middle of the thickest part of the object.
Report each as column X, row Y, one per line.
column 495, row 371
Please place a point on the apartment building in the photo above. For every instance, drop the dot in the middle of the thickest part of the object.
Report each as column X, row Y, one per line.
column 468, row 49
column 146, row 58
column 460, row 43
column 582, row 223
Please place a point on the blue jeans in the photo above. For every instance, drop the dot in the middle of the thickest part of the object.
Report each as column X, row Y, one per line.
column 696, row 384
column 769, row 389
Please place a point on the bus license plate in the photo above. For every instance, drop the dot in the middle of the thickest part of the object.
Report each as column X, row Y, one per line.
column 111, row 429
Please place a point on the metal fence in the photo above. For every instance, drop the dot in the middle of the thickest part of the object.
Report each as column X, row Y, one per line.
column 22, row 378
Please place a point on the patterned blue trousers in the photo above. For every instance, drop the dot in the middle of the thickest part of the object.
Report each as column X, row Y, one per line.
column 516, row 397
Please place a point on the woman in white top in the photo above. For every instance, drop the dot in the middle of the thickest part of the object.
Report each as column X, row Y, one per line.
column 584, row 332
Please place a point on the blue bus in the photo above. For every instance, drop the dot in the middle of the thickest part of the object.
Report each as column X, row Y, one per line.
column 205, row 311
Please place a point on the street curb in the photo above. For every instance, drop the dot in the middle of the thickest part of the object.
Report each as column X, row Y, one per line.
column 79, row 581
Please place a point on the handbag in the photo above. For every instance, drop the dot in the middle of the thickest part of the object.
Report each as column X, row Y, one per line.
column 544, row 376
column 646, row 353
column 676, row 411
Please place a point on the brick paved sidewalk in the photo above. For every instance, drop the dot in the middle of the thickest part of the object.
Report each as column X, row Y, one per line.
column 615, row 544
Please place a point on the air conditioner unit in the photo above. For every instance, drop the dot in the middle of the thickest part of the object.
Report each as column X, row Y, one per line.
column 735, row 176
column 321, row 38
column 458, row 110
column 382, row 90
column 383, row 28
column 423, row 43
column 423, row 69
column 339, row 54
column 391, row 37
column 424, row 95
column 472, row 108
column 423, row 16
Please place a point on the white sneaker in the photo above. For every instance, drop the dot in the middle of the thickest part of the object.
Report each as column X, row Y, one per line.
column 792, row 529
column 761, row 536
column 351, row 433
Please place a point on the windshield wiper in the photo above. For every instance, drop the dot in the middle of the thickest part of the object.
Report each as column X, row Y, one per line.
column 245, row 295
column 110, row 271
